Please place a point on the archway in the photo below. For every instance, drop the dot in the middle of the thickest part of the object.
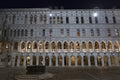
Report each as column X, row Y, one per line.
column 84, row 47
column 96, row 47
column 28, row 60
column 103, row 46
column 90, row 46
column 99, row 60
column 21, row 60
column 59, row 46
column 92, row 60
column 47, row 60
column 40, row 60
column 112, row 60
column 79, row 60
column 34, row 60
column 109, row 46
column 15, row 47
column 106, row 61
column 65, row 46
column 28, row 46
column 53, row 60
column 22, row 46
column 47, row 46
column 34, row 46
column 77, row 46
column 53, row 46
column 60, row 60
column 66, row 60
column 71, row 46
column 85, row 59
column 72, row 58
column 41, row 46
column 116, row 46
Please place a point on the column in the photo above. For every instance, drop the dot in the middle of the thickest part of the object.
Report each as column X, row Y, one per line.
column 82, row 62
column 50, row 61
column 56, row 60
column 102, row 61
column 13, row 61
column 96, row 61
column 18, row 61
column 24, row 64
column 76, row 61
column 116, row 60
column 43, row 60
column 37, row 59
column 69, row 62
column 109, row 61
column 31, row 59
column 63, row 61
column 89, row 62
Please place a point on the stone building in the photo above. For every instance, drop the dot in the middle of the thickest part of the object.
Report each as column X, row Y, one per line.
column 60, row 37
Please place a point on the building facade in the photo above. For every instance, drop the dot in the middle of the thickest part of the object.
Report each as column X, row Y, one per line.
column 60, row 37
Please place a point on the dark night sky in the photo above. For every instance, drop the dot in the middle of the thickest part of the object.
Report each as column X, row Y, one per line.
column 68, row 4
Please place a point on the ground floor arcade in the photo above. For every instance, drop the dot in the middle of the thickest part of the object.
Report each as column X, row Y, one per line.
column 66, row 59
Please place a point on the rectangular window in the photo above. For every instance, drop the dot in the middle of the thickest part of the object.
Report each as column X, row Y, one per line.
column 109, row 32
column 50, row 32
column 77, row 20
column 82, row 20
column 62, row 31
column 116, row 32
column 96, row 20
column 90, row 19
column 83, row 32
column 67, row 20
column 106, row 19
column 68, row 32
column 92, row 32
column 114, row 20
column 98, row 32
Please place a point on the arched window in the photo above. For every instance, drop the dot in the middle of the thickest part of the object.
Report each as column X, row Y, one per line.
column 14, row 33
column 77, row 46
column 15, row 46
column 72, row 58
column 26, row 32
column 22, row 32
column 34, row 45
column 96, row 46
column 47, row 45
column 53, row 60
column 53, row 46
column 116, row 46
column 60, row 60
column 18, row 33
column 31, row 19
column 28, row 45
column 84, row 47
column 35, row 19
column 79, row 60
column 59, row 45
column 65, row 46
column 23, row 45
column 103, row 46
column 41, row 46
column 109, row 46
column 90, row 46
column 71, row 46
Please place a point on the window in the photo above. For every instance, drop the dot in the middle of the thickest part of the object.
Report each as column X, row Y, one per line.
column 90, row 19
column 31, row 19
column 77, row 20
column 26, row 19
column 78, row 32
column 116, row 32
column 98, row 32
column 109, row 32
column 26, row 32
column 67, row 20
column 54, row 20
column 82, row 20
column 61, row 19
column 92, row 32
column 18, row 33
column 14, row 33
column 22, row 32
column 35, row 19
column 50, row 32
column 43, row 32
column 14, row 19
column 96, row 20
column 31, row 32
column 50, row 20
column 68, row 32
column 83, row 32
column 106, row 19
column 114, row 20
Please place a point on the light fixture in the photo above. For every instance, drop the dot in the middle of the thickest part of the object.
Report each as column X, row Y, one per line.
column 50, row 15
column 95, row 14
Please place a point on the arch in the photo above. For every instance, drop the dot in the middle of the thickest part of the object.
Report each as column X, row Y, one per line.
column 47, row 46
column 28, row 60
column 85, row 59
column 28, row 46
column 59, row 46
column 41, row 46
column 53, row 46
column 112, row 60
column 40, row 60
column 106, row 61
column 99, row 60
column 103, row 46
column 79, row 60
column 15, row 46
column 92, row 60
column 96, row 47
column 34, row 45
column 16, row 59
column 34, row 60
column 109, row 46
column 66, row 60
column 23, row 45
column 84, row 47
column 116, row 46
column 72, row 58
column 60, row 60
column 47, row 60
column 65, row 46
column 90, row 46
column 71, row 46
column 77, row 46
column 53, row 60
column 21, row 60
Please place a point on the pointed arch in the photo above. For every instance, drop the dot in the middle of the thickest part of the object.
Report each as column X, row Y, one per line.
column 41, row 46
column 90, row 46
column 79, row 60
column 65, row 46
column 47, row 60
column 47, row 46
column 15, row 46
column 103, row 46
column 53, row 60
column 96, row 47
column 28, row 60
column 112, row 60
column 22, row 46
column 28, row 46
column 59, row 46
column 66, row 60
column 71, row 46
column 53, row 46
column 99, row 60
column 72, row 58
column 60, row 60
column 84, row 47
column 34, row 48
column 77, row 46
column 109, row 46
column 106, row 61
column 116, row 46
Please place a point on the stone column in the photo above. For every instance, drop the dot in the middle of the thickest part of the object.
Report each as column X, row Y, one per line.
column 43, row 60
column 69, row 63
column 102, row 61
column 96, row 64
column 56, row 60
column 37, row 59
column 76, row 61
column 109, row 62
column 31, row 59
column 82, row 62
column 13, row 61
column 89, row 62
column 50, row 61
column 63, row 61
column 18, row 61
column 116, row 60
